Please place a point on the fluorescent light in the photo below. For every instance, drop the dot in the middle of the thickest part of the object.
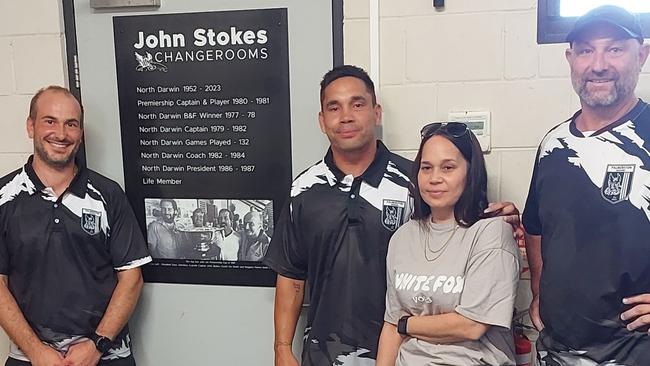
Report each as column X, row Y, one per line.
column 575, row 8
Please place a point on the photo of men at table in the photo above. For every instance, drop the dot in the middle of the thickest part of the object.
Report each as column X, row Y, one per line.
column 208, row 229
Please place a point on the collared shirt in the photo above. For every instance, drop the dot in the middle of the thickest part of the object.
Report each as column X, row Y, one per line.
column 164, row 240
column 61, row 254
column 588, row 200
column 254, row 249
column 334, row 234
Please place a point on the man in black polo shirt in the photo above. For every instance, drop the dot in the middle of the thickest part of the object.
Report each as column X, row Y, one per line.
column 334, row 232
column 70, row 249
column 587, row 213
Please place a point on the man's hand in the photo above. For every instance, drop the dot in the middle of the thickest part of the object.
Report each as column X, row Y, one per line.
column 47, row 356
column 639, row 314
column 82, row 354
column 510, row 214
column 284, row 356
column 534, row 313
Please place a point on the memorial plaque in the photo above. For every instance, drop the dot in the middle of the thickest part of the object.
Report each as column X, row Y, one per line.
column 206, row 139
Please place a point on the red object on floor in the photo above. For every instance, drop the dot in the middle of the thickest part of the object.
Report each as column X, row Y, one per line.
column 523, row 349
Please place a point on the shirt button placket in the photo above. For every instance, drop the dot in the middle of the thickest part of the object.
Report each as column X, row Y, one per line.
column 56, row 219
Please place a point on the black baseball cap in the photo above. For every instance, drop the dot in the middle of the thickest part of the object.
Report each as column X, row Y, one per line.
column 620, row 18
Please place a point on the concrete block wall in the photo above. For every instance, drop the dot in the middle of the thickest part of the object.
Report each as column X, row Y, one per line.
column 473, row 55
column 31, row 56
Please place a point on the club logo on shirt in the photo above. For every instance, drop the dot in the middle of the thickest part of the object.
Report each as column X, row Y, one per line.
column 617, row 184
column 392, row 213
column 90, row 221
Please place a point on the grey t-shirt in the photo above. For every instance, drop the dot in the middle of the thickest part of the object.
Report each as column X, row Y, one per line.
column 440, row 268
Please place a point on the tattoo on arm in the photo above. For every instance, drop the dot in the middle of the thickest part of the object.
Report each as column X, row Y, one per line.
column 297, row 287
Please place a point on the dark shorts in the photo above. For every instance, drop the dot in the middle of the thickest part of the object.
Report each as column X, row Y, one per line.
column 553, row 353
column 126, row 361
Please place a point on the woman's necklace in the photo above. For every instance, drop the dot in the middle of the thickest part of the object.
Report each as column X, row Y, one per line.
column 437, row 252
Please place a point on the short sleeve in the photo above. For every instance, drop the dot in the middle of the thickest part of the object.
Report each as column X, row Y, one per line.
column 393, row 308
column 530, row 217
column 126, row 243
column 491, row 277
column 286, row 254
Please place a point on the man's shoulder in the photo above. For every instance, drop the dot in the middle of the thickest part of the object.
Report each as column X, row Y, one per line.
column 316, row 169
column 12, row 184
column 403, row 164
column 9, row 177
column 399, row 170
column 558, row 131
column 155, row 225
column 316, row 174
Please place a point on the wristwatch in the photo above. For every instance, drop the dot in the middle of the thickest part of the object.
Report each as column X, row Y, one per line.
column 401, row 325
column 102, row 343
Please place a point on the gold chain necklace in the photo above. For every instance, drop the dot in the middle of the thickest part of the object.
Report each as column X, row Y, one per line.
column 442, row 248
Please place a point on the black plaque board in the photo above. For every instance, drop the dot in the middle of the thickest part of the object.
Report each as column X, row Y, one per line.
column 205, row 123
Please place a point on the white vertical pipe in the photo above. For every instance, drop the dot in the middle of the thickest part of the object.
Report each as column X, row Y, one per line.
column 374, row 43
column 374, row 53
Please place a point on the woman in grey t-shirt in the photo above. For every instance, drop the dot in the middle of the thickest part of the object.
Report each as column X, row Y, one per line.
column 451, row 276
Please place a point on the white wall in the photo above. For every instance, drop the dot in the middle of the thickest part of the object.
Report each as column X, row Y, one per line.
column 31, row 56
column 474, row 55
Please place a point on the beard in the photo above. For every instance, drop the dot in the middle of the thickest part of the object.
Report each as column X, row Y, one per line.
column 623, row 87
column 53, row 161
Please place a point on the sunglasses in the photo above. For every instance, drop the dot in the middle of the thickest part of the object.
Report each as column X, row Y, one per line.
column 454, row 129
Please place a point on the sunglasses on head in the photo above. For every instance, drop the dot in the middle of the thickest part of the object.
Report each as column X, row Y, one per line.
column 454, row 129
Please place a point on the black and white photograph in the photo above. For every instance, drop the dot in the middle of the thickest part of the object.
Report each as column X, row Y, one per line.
column 206, row 139
column 208, row 229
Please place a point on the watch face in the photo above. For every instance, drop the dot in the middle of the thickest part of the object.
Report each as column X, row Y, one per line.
column 103, row 344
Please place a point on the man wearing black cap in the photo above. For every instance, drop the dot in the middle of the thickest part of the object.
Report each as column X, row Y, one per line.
column 587, row 216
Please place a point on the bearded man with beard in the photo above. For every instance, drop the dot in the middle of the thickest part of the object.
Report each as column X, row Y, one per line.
column 70, row 249
column 162, row 235
column 587, row 215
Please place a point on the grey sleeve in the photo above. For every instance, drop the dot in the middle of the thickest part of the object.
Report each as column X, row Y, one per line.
column 393, row 307
column 491, row 278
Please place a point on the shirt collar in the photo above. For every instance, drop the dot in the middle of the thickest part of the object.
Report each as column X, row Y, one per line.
column 373, row 174
column 629, row 116
column 77, row 186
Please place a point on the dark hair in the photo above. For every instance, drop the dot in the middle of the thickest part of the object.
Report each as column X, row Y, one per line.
column 473, row 200
column 54, row 88
column 230, row 214
column 170, row 201
column 344, row 71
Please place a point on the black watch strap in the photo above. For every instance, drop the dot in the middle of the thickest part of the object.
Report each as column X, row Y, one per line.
column 402, row 323
column 102, row 343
